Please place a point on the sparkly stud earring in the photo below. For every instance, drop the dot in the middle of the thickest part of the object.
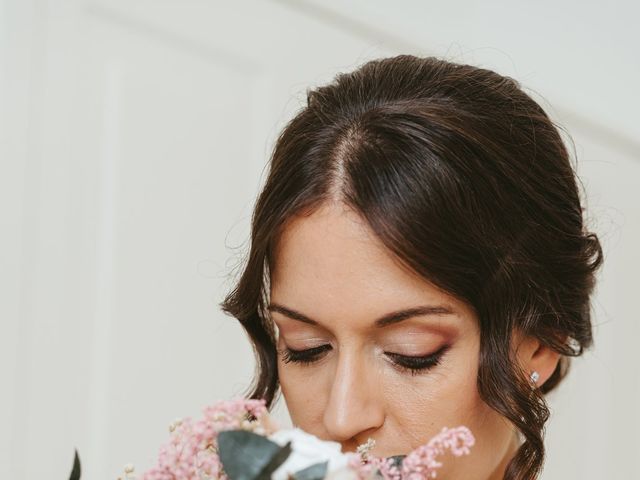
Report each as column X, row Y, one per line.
column 535, row 376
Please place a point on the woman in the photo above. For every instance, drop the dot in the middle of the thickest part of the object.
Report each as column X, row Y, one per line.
column 418, row 260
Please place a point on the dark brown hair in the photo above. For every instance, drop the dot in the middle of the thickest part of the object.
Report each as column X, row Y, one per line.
column 467, row 180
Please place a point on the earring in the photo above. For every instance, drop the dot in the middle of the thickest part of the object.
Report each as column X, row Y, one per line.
column 535, row 376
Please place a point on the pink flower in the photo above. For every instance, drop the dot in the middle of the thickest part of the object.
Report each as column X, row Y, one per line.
column 422, row 464
column 191, row 452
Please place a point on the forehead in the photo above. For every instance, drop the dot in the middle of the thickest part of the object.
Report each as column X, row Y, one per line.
column 331, row 263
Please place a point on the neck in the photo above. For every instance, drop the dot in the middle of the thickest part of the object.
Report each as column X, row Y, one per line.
column 498, row 473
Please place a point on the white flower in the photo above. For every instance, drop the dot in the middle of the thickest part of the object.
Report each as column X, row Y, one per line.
column 307, row 450
column 344, row 473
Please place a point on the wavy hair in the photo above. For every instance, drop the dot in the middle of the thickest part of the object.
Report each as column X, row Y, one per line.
column 465, row 178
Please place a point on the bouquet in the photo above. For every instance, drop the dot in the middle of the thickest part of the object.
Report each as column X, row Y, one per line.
column 238, row 440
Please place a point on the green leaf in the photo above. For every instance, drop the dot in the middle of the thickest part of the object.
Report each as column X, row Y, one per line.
column 75, row 471
column 248, row 456
column 277, row 460
column 317, row 471
column 397, row 460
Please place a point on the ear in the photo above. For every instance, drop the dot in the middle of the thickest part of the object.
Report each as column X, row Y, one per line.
column 535, row 356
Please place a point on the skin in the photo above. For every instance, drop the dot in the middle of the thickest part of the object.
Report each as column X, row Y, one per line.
column 331, row 268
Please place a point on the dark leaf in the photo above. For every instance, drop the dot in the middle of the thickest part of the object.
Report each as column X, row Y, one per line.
column 397, row 460
column 277, row 460
column 75, row 471
column 317, row 471
column 248, row 456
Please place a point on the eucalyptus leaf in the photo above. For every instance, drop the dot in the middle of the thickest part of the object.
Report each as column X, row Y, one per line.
column 317, row 471
column 248, row 456
column 397, row 460
column 277, row 460
column 75, row 471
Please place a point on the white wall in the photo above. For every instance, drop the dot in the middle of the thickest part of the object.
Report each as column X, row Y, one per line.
column 134, row 136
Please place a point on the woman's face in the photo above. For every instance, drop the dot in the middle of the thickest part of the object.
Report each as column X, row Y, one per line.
column 332, row 281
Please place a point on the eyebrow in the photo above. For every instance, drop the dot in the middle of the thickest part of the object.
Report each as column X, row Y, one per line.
column 387, row 319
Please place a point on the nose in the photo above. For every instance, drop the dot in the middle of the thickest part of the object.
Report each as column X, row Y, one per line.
column 354, row 408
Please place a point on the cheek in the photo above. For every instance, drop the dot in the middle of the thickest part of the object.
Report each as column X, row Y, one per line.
column 450, row 400
column 494, row 437
column 447, row 397
column 303, row 394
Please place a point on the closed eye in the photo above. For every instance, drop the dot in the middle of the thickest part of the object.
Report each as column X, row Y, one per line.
column 404, row 363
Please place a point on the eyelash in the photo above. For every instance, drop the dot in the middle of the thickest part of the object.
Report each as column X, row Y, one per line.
column 407, row 364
